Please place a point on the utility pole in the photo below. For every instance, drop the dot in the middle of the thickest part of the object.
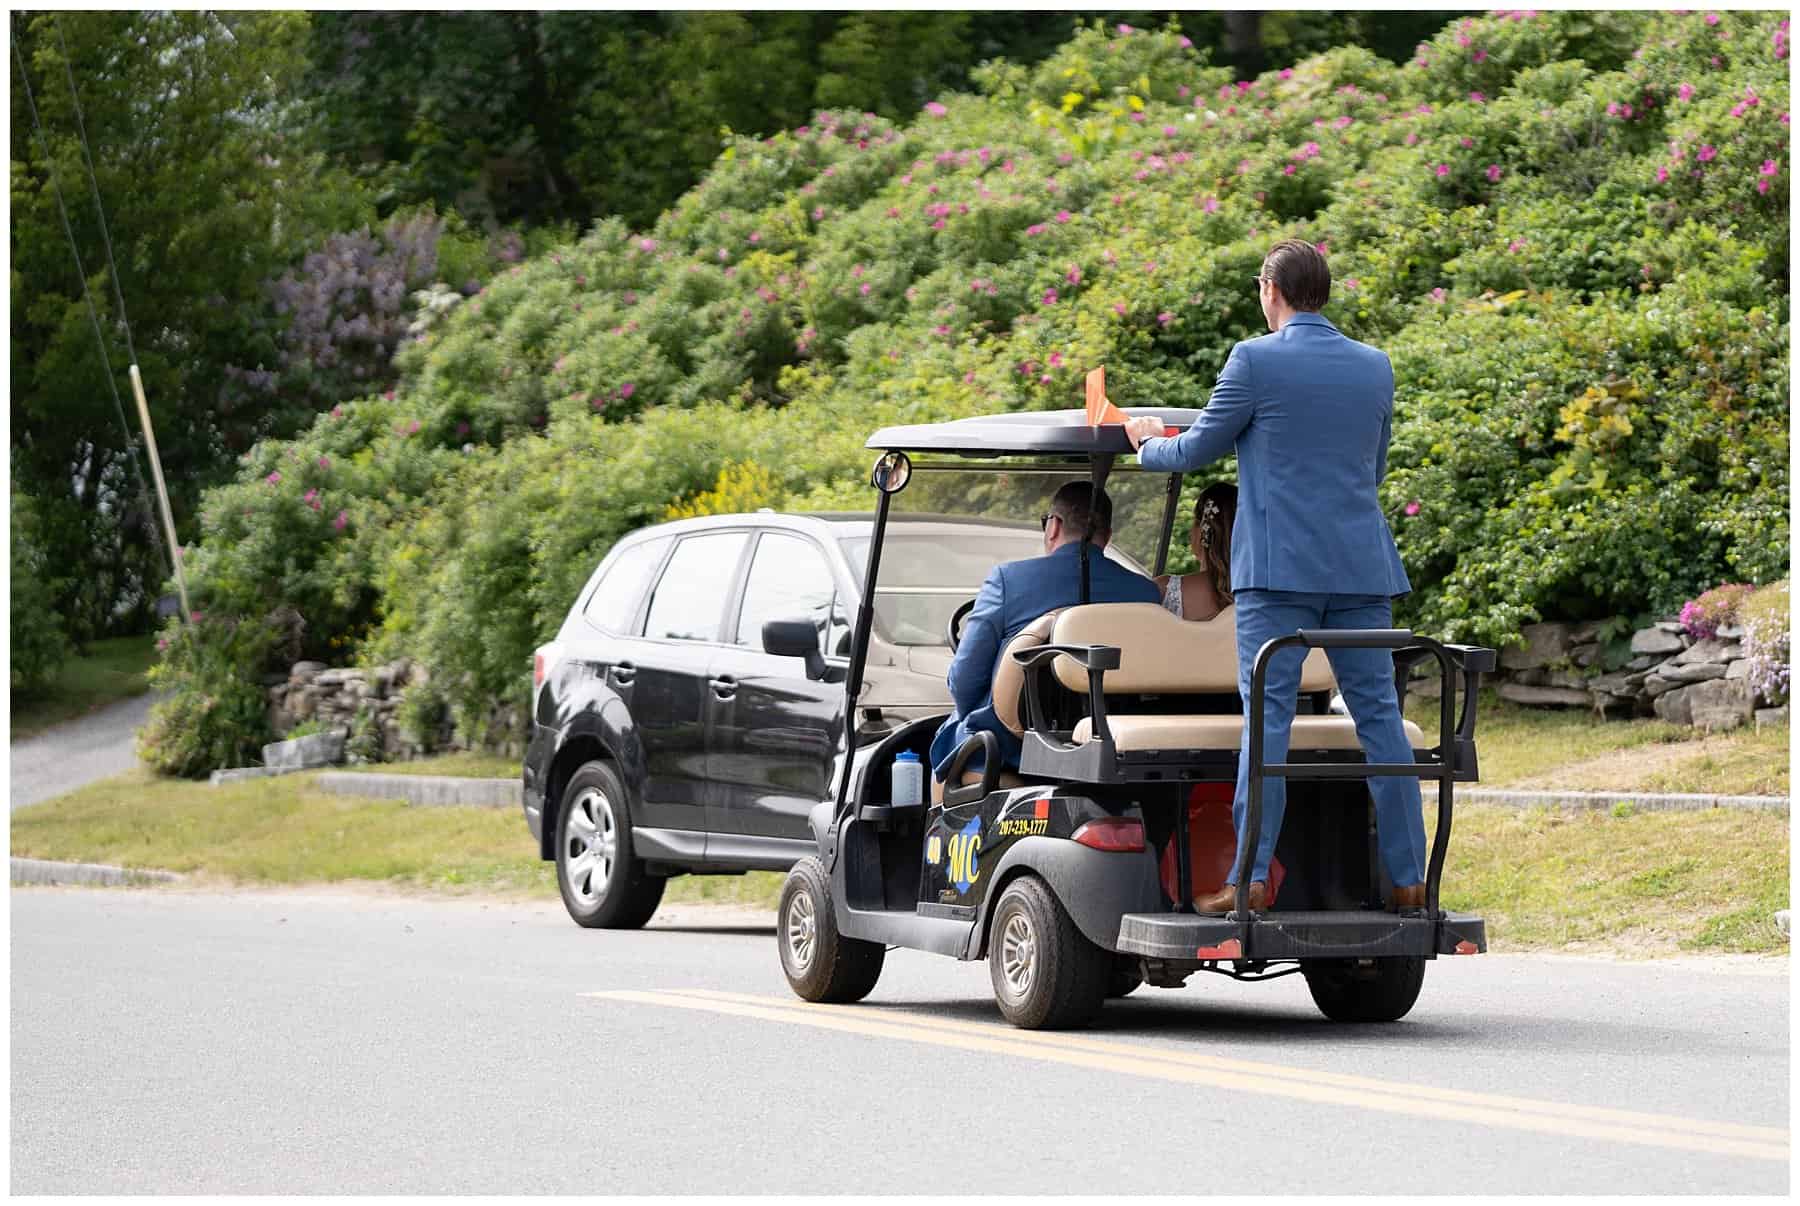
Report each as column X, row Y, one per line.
column 162, row 493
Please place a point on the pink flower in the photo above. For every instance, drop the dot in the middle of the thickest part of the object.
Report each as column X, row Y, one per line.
column 1762, row 186
column 1769, row 167
column 1165, row 318
column 1185, row 42
column 756, row 236
column 1119, row 309
column 1480, row 56
column 274, row 479
column 647, row 244
column 337, row 412
column 1467, row 142
column 1056, row 360
column 342, row 520
column 1685, row 92
column 1612, row 108
column 935, row 109
column 1139, row 118
column 1351, row 282
column 1074, row 274
column 1493, row 172
column 1168, row 131
column 1124, row 31
column 1437, row 295
column 818, row 213
column 196, row 616
column 628, row 389
column 1708, row 153
column 1737, row 110
column 1412, row 508
column 1662, row 175
column 1712, row 18
column 1478, row 98
column 1211, row 205
column 462, row 429
column 1063, row 215
column 325, row 461
column 389, row 396
column 1288, row 170
column 865, row 289
column 1050, row 297
column 1287, row 73
column 1443, row 169
column 412, row 428
column 1036, row 228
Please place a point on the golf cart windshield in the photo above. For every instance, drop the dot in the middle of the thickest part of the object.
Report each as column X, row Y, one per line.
column 957, row 520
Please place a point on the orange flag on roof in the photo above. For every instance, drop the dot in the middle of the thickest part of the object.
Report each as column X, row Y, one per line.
column 1099, row 408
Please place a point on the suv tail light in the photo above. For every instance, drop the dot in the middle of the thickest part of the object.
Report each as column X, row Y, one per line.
column 537, row 670
column 1118, row 834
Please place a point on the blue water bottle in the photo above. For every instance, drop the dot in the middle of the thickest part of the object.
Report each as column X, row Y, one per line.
column 909, row 779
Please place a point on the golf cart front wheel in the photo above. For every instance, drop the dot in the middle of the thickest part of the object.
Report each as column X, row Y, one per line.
column 1382, row 990
column 1046, row 974
column 820, row 964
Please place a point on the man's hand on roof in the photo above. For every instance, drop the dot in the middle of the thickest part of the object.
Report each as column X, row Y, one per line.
column 1143, row 427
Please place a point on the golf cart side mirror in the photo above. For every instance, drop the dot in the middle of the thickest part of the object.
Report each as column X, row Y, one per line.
column 795, row 638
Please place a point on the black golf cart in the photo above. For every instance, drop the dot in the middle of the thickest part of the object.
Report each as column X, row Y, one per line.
column 1075, row 876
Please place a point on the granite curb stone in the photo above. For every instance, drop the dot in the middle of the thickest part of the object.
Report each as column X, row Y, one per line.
column 428, row 790
column 1643, row 801
column 48, row 871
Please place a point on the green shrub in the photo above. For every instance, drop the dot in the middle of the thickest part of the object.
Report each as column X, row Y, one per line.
column 39, row 645
column 216, row 713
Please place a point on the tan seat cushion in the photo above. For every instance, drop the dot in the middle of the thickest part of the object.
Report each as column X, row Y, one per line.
column 1009, row 676
column 1226, row 733
column 1161, row 653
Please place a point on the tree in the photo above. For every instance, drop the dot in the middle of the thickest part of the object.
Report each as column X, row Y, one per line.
column 190, row 122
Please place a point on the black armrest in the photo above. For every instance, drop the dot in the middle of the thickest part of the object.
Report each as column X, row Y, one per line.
column 1095, row 659
column 979, row 742
column 1471, row 662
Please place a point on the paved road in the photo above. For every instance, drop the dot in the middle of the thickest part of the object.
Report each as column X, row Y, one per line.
column 96, row 746
column 257, row 1042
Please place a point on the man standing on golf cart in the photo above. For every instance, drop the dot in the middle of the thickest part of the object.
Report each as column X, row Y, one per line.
column 1309, row 413
column 1015, row 594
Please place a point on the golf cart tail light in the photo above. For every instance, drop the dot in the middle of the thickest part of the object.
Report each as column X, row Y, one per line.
column 1112, row 833
column 537, row 669
column 1465, row 947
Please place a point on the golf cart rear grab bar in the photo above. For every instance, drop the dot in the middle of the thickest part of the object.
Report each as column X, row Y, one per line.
column 1095, row 659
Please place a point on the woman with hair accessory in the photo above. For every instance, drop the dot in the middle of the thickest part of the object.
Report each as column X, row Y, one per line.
column 1206, row 592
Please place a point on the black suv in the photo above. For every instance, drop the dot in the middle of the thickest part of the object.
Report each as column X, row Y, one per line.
column 689, row 714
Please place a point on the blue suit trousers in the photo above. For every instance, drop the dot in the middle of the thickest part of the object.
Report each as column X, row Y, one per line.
column 1365, row 677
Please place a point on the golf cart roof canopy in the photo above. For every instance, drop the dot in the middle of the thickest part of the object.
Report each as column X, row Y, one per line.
column 1047, row 432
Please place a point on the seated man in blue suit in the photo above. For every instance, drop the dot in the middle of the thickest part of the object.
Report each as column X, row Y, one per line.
column 1017, row 593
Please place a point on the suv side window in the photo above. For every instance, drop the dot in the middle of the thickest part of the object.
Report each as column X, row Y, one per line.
column 788, row 580
column 614, row 604
column 689, row 601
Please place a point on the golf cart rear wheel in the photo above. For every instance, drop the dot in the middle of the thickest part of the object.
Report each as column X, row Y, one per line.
column 1046, row 975
column 821, row 964
column 1381, row 991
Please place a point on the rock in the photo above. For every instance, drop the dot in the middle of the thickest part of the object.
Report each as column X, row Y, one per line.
column 1643, row 663
column 1782, row 921
column 330, row 678
column 1544, row 644
column 1431, row 687
column 1566, row 678
column 1635, row 680
column 1768, row 716
column 1707, row 651
column 1720, row 704
column 306, row 672
column 303, row 704
column 1657, row 640
column 1730, row 632
column 1534, row 677
column 1738, row 669
column 419, row 675
column 1616, row 683
column 1567, row 697
column 319, row 749
column 1675, row 706
column 1655, row 685
column 1585, row 655
column 1692, row 672
column 1674, row 626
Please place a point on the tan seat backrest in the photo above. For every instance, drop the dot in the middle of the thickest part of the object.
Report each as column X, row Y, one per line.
column 1009, row 678
column 1161, row 653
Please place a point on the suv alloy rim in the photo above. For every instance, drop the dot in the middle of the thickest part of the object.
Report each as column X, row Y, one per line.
column 592, row 841
column 1017, row 950
column 801, row 926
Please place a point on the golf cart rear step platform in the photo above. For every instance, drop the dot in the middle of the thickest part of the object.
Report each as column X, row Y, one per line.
column 1338, row 934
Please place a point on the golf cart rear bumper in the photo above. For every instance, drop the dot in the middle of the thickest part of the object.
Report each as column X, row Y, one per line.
column 1301, row 935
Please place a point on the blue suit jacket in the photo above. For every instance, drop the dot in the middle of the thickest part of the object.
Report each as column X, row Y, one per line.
column 1015, row 594
column 1309, row 412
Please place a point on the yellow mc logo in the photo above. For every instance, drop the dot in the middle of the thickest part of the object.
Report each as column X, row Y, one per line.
column 965, row 851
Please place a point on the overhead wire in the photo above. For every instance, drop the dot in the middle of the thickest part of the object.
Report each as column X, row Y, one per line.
column 87, row 296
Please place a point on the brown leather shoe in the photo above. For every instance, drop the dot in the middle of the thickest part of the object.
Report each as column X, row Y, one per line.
column 1410, row 897
column 1225, row 899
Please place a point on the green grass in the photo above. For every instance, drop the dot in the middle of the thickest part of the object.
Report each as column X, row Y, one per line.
column 1571, row 748
column 1636, row 883
column 462, row 766
column 112, row 669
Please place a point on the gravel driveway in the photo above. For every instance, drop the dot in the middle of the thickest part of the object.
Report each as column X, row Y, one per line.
column 72, row 755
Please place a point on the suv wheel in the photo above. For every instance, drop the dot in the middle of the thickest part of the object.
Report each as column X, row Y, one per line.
column 1046, row 974
column 821, row 964
column 603, row 884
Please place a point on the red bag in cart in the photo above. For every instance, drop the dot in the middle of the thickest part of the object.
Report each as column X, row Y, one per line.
column 1212, row 845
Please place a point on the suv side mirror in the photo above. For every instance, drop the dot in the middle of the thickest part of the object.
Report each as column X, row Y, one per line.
column 795, row 638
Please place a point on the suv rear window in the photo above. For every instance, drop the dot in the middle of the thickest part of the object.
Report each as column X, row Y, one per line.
column 614, row 604
column 690, row 598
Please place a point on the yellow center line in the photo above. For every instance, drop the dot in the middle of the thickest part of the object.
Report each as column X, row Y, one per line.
column 1155, row 1063
column 1730, row 1130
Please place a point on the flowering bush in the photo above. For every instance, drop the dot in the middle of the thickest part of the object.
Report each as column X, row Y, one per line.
column 215, row 713
column 1764, row 616
column 1592, row 380
column 1716, row 609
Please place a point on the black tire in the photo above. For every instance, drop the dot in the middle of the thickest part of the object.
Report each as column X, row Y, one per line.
column 601, row 891
column 1046, row 974
column 1124, row 978
column 1382, row 992
column 821, row 964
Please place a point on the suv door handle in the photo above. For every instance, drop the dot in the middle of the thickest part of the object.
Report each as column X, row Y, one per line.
column 622, row 674
column 724, row 686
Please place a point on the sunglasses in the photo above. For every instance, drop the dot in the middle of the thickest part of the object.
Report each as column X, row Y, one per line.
column 1044, row 520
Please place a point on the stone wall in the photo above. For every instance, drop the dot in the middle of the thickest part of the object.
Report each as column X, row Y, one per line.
column 1670, row 675
column 362, row 704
